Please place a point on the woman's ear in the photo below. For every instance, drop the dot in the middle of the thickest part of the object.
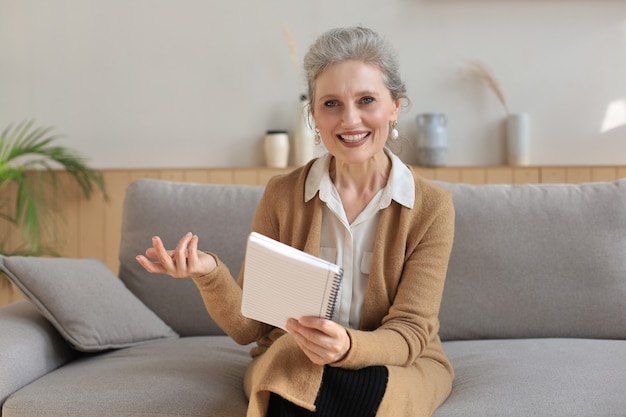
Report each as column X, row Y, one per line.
column 396, row 108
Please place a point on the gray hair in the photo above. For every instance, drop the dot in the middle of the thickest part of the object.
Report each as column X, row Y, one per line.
column 354, row 43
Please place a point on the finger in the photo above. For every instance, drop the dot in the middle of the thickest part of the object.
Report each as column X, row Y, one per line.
column 148, row 265
column 327, row 327
column 193, row 261
column 152, row 253
column 315, row 353
column 162, row 255
column 180, row 255
column 312, row 339
column 321, row 338
column 314, row 356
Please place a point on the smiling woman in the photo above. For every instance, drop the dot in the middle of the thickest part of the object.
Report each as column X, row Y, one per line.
column 360, row 207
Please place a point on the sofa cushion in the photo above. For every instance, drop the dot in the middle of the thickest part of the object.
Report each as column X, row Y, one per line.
column 536, row 377
column 87, row 304
column 537, row 261
column 221, row 216
column 192, row 376
column 29, row 347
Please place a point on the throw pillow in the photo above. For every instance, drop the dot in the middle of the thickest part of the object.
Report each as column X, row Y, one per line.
column 89, row 306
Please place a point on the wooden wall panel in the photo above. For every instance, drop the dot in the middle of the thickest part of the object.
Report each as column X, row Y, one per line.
column 116, row 182
column 246, row 177
column 474, row 175
column 222, row 176
column 267, row 173
column 448, row 174
column 526, row 175
column 92, row 228
column 9, row 293
column 7, row 201
column 499, row 176
column 603, row 174
column 428, row 173
column 552, row 175
column 198, row 176
column 14, row 236
column 66, row 224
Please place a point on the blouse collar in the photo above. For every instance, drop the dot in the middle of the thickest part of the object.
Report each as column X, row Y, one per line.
column 400, row 185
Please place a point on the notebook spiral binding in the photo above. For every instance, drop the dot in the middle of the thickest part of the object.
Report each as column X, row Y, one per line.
column 334, row 293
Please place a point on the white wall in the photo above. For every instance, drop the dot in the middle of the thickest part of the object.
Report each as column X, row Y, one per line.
column 195, row 83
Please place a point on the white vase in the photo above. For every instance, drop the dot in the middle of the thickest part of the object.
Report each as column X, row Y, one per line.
column 517, row 139
column 276, row 146
column 304, row 136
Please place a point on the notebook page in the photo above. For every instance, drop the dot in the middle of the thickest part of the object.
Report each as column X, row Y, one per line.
column 281, row 282
column 287, row 250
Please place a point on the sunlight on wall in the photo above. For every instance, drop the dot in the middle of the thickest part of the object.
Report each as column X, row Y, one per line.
column 615, row 115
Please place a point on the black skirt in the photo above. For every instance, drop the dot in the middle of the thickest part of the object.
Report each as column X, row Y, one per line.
column 343, row 392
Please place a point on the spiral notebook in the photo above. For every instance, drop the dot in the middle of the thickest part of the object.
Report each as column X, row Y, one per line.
column 281, row 282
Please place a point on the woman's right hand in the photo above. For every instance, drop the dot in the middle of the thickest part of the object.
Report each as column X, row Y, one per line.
column 185, row 261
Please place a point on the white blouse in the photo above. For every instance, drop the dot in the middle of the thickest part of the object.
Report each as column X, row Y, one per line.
column 351, row 245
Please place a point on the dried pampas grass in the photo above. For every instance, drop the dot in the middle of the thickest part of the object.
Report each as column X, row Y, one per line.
column 479, row 71
column 292, row 45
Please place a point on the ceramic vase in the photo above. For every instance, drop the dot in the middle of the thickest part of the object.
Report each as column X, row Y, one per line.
column 276, row 147
column 517, row 139
column 432, row 139
column 303, row 136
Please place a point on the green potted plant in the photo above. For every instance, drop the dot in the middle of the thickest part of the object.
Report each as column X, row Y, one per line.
column 30, row 159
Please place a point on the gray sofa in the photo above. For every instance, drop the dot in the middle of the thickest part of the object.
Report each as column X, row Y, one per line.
column 533, row 316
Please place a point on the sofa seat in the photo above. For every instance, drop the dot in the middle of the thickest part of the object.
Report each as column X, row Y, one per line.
column 548, row 377
column 173, row 377
column 556, row 377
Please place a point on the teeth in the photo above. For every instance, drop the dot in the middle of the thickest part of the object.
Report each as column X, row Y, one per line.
column 353, row 138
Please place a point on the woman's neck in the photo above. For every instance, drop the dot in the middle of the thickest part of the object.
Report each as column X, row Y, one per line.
column 365, row 178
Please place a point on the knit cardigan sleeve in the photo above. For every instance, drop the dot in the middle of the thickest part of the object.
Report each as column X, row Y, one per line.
column 220, row 292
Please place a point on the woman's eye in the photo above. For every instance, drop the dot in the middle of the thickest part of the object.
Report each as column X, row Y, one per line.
column 366, row 100
column 330, row 103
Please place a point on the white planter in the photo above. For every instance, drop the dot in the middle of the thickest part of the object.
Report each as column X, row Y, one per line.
column 276, row 146
column 518, row 139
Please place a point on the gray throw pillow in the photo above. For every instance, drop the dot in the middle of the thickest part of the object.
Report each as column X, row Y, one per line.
column 89, row 306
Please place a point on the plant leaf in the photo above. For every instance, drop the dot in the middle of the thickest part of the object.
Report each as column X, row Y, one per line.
column 30, row 158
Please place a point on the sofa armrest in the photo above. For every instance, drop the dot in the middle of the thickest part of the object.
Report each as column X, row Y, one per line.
column 29, row 347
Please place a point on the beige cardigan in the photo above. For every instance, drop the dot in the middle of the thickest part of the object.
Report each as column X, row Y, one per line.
column 399, row 324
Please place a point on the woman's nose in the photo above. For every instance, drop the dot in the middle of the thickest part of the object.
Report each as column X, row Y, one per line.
column 351, row 116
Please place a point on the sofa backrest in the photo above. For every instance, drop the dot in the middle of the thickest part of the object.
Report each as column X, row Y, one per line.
column 220, row 215
column 527, row 260
column 537, row 261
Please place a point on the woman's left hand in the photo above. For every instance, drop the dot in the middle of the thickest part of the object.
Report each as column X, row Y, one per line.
column 322, row 340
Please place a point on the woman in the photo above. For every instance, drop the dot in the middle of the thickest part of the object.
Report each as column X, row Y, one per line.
column 358, row 206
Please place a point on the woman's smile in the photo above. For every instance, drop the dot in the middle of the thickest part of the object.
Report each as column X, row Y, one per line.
column 352, row 139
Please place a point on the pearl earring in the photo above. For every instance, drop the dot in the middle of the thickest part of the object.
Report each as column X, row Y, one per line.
column 394, row 130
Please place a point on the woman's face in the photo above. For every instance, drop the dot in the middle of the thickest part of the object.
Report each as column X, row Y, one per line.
column 352, row 110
